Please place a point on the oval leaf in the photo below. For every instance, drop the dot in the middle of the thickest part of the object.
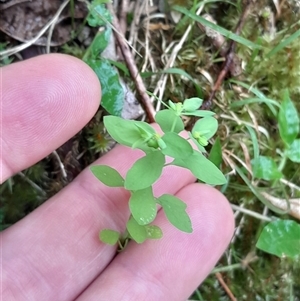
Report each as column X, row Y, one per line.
column 265, row 168
column 99, row 43
column 206, row 126
column 112, row 92
column 192, row 104
column 176, row 146
column 127, row 132
column 107, row 175
column 145, row 171
column 143, row 206
column 175, row 212
column 294, row 151
column 199, row 113
column 136, row 231
column 154, row 232
column 202, row 169
column 215, row 155
column 109, row 237
column 281, row 238
column 166, row 119
column 288, row 120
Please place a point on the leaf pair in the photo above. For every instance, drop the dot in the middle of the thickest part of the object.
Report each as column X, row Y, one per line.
column 143, row 209
column 142, row 203
column 138, row 177
column 137, row 232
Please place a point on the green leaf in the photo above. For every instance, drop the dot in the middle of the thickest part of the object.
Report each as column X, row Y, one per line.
column 175, row 212
column 153, row 232
column 215, row 155
column 206, row 127
column 145, row 128
column 176, row 146
column 226, row 33
column 202, row 169
column 109, row 237
column 99, row 43
column 272, row 104
column 167, row 119
column 127, row 132
column 199, row 113
column 281, row 238
column 288, row 120
column 121, row 66
column 192, row 104
column 145, row 171
column 107, row 175
column 284, row 43
column 98, row 15
column 257, row 193
column 123, row 131
column 200, row 147
column 136, row 231
column 112, row 91
column 293, row 152
column 265, row 168
column 143, row 206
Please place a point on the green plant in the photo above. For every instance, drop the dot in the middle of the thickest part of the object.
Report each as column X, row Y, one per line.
column 281, row 237
column 112, row 91
column 140, row 178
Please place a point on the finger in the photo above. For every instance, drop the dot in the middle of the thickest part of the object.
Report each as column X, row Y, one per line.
column 45, row 101
column 54, row 253
column 173, row 267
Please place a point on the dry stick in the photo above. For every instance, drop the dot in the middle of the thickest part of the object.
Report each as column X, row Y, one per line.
column 134, row 24
column 171, row 61
column 52, row 26
column 252, row 213
column 11, row 3
column 25, row 45
column 61, row 165
column 226, row 288
column 144, row 98
column 147, row 52
column 229, row 58
column 123, row 16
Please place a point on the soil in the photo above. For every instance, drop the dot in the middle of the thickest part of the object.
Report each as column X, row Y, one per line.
column 23, row 19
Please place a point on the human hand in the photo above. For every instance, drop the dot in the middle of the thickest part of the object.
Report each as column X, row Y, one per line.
column 54, row 253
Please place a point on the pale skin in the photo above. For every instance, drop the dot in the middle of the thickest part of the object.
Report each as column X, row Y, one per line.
column 54, row 253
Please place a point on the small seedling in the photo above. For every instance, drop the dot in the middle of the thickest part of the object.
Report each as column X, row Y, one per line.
column 140, row 177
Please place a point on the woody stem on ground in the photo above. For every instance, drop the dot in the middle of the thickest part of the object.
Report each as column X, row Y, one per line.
column 144, row 98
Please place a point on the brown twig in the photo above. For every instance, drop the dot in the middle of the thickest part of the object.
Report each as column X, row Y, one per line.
column 225, row 287
column 144, row 98
column 123, row 15
column 229, row 57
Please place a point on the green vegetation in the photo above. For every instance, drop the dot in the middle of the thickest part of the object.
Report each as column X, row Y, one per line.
column 139, row 178
column 258, row 136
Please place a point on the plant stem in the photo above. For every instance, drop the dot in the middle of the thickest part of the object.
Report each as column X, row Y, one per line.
column 227, row 268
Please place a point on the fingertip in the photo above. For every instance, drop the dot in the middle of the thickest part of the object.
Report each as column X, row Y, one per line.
column 210, row 204
column 46, row 100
